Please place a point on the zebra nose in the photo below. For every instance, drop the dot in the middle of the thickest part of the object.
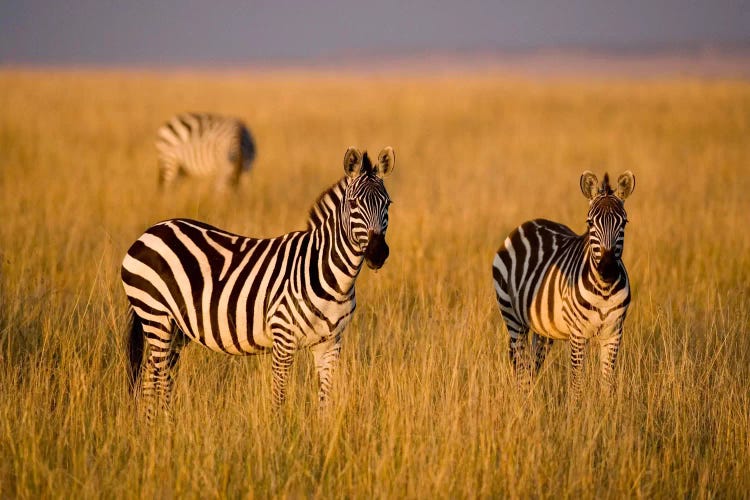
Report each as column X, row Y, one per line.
column 377, row 250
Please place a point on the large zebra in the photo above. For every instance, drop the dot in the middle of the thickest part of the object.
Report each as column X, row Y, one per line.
column 203, row 144
column 561, row 285
column 186, row 280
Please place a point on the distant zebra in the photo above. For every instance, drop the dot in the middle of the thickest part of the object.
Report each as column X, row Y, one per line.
column 187, row 280
column 203, row 144
column 564, row 286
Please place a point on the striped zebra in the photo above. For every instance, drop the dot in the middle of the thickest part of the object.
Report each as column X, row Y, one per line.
column 203, row 144
column 564, row 286
column 186, row 280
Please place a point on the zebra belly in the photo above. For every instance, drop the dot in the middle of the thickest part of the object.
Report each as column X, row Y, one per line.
column 232, row 327
column 238, row 343
column 548, row 325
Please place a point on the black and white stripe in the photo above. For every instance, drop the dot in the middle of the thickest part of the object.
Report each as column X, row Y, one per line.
column 188, row 281
column 203, row 144
column 564, row 286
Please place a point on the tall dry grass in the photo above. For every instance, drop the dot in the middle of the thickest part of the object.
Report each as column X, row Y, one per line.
column 426, row 405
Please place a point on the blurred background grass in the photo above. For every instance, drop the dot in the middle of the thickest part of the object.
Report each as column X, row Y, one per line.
column 426, row 405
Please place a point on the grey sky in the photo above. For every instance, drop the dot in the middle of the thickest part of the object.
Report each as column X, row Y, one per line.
column 224, row 32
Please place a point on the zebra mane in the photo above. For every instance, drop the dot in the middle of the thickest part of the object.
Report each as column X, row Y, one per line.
column 606, row 189
column 327, row 204
column 366, row 164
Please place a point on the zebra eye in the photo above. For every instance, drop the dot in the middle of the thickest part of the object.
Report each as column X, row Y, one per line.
column 590, row 222
column 352, row 204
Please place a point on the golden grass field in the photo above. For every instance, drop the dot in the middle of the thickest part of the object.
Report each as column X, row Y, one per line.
column 426, row 406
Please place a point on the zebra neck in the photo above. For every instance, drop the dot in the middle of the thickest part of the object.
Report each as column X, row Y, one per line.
column 328, row 206
column 340, row 260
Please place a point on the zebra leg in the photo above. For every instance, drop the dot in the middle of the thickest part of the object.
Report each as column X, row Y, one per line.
column 326, row 356
column 234, row 178
column 577, row 352
column 607, row 359
column 282, row 355
column 228, row 175
column 519, row 355
column 156, row 385
column 540, row 346
column 168, row 172
column 179, row 341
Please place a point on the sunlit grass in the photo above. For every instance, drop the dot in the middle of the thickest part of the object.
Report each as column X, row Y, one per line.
column 426, row 405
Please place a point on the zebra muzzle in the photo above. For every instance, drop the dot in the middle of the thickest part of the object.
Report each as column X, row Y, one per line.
column 377, row 251
column 608, row 267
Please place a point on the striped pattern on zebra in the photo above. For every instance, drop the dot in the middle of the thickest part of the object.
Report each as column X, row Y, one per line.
column 564, row 286
column 188, row 281
column 201, row 145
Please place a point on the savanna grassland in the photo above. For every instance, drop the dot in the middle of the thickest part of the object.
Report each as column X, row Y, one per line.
column 426, row 405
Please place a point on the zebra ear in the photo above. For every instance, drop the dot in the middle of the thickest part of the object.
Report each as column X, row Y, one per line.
column 589, row 185
column 352, row 162
column 386, row 162
column 625, row 185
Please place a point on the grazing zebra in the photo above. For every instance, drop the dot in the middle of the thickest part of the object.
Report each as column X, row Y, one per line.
column 202, row 144
column 186, row 280
column 562, row 286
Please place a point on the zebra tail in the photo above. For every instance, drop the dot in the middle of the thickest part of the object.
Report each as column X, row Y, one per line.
column 135, row 350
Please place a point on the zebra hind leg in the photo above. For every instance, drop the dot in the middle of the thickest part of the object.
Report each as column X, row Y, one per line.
column 540, row 347
column 229, row 178
column 519, row 354
column 179, row 341
column 156, row 381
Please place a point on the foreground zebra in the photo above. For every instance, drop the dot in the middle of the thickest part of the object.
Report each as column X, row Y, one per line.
column 189, row 281
column 562, row 286
column 202, row 144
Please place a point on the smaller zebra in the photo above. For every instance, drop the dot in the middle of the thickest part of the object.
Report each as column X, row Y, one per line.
column 203, row 145
column 564, row 286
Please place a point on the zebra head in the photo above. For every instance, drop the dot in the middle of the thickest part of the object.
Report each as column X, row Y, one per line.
column 366, row 203
column 606, row 220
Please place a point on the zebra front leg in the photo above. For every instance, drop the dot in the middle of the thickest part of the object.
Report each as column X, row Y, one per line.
column 282, row 355
column 168, row 172
column 607, row 359
column 326, row 356
column 577, row 352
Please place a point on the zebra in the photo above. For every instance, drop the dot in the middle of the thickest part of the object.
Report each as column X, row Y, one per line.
column 204, row 144
column 564, row 286
column 189, row 281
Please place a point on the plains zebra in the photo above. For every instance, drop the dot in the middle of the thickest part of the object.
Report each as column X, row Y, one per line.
column 562, row 286
column 203, row 144
column 186, row 280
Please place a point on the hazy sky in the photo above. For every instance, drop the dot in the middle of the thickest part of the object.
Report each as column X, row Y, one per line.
column 224, row 32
